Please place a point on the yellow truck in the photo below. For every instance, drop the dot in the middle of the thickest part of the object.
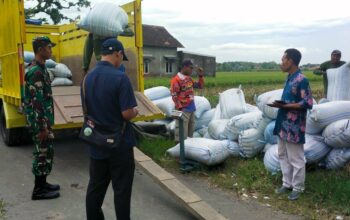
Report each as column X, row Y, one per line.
column 16, row 37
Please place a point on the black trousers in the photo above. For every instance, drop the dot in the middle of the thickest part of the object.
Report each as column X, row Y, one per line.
column 120, row 169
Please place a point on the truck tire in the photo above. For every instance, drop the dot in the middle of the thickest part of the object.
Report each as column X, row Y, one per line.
column 10, row 136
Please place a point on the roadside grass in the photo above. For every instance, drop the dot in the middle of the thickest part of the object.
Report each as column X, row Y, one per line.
column 327, row 192
column 2, row 209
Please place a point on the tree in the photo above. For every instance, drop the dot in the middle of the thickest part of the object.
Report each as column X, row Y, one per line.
column 53, row 9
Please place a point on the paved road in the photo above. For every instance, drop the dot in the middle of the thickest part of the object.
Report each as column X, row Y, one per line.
column 149, row 201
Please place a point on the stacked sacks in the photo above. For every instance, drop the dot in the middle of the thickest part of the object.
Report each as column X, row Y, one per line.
column 338, row 83
column 216, row 129
column 62, row 75
column 206, row 151
column 202, row 105
column 156, row 93
column 271, row 160
column 269, row 137
column 314, row 148
column 166, row 105
column 105, row 19
column 241, row 122
column 337, row 134
column 337, row 158
column 267, row 98
column 232, row 103
column 324, row 114
column 251, row 141
column 205, row 119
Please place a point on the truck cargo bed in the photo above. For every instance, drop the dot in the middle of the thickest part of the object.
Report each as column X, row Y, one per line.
column 69, row 113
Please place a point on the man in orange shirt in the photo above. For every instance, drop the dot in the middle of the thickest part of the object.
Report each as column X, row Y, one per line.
column 183, row 96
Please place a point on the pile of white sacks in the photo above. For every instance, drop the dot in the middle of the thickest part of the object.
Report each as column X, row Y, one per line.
column 60, row 74
column 235, row 128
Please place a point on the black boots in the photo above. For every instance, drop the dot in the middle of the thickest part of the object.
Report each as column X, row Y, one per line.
column 44, row 190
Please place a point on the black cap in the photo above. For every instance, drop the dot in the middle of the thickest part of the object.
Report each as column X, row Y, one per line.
column 111, row 45
column 41, row 41
column 336, row 52
column 187, row 63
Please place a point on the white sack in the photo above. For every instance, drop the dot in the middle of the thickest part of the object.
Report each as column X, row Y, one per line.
column 268, row 134
column 217, row 114
column 251, row 142
column 105, row 19
column 157, row 92
column 202, row 105
column 241, row 122
column 234, row 149
column 232, row 103
column 216, row 129
column 271, row 160
column 337, row 134
column 50, row 63
column 205, row 119
column 28, row 56
column 324, row 114
column 338, row 83
column 57, row 81
column 166, row 105
column 267, row 98
column 314, row 148
column 251, row 108
column 206, row 151
column 62, row 71
column 337, row 158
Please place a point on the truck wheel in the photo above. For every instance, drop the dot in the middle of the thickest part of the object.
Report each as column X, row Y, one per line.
column 10, row 136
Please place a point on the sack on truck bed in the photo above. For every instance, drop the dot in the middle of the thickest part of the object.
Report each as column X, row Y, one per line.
column 157, row 92
column 266, row 98
column 62, row 71
column 57, row 81
column 105, row 19
column 232, row 103
column 322, row 115
column 206, row 151
column 337, row 134
column 338, row 83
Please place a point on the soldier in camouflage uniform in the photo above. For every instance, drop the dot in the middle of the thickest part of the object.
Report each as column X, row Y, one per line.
column 38, row 108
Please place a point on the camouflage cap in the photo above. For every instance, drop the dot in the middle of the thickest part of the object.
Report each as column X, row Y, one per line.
column 336, row 52
column 42, row 41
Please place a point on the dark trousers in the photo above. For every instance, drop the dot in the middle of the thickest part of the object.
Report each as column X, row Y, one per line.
column 120, row 169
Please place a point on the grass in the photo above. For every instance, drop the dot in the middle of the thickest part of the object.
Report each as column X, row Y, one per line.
column 327, row 192
column 2, row 209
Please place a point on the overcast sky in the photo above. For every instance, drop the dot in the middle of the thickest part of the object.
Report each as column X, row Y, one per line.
column 253, row 30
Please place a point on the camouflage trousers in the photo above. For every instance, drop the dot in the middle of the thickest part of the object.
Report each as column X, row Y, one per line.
column 43, row 155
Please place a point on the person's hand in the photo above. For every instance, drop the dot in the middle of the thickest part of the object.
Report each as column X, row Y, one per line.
column 136, row 110
column 276, row 104
column 200, row 71
column 43, row 135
